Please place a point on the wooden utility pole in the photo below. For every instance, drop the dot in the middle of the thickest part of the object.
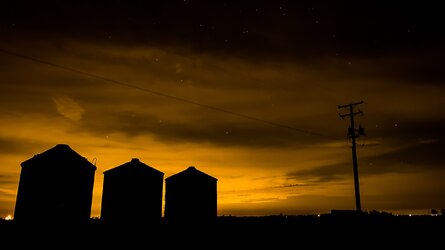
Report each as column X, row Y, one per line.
column 354, row 133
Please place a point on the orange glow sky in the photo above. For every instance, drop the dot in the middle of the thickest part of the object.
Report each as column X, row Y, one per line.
column 261, row 169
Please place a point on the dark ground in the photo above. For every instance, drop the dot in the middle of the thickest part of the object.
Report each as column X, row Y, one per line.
column 341, row 230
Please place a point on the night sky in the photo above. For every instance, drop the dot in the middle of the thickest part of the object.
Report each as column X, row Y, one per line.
column 267, row 77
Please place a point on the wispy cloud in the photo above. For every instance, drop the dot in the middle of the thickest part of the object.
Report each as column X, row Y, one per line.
column 68, row 108
column 6, row 179
column 294, row 185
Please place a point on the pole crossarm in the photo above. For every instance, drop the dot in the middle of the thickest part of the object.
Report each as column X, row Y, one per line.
column 349, row 105
column 359, row 112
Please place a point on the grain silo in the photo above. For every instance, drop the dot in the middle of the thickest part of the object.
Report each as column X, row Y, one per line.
column 132, row 193
column 190, row 197
column 55, row 186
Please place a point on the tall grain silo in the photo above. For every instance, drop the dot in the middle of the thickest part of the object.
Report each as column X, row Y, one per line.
column 132, row 193
column 55, row 186
column 190, row 197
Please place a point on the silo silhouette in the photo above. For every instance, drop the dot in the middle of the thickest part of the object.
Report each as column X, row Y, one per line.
column 55, row 186
column 132, row 193
column 190, row 197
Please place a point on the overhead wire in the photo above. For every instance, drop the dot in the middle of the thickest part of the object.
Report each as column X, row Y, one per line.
column 158, row 93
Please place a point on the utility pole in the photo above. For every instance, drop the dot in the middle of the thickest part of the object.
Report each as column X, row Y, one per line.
column 354, row 133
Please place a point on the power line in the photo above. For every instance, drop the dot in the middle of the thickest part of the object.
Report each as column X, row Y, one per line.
column 154, row 92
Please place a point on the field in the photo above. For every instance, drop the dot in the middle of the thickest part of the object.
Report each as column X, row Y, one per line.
column 341, row 230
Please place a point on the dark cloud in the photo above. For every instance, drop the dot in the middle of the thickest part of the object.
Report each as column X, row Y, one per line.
column 228, row 132
column 422, row 67
column 326, row 173
column 423, row 156
column 405, row 130
column 11, row 145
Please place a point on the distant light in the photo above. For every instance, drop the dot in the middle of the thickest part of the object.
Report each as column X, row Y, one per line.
column 9, row 217
column 318, row 215
column 410, row 215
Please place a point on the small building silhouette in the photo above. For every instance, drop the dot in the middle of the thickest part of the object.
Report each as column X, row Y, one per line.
column 190, row 196
column 132, row 193
column 55, row 186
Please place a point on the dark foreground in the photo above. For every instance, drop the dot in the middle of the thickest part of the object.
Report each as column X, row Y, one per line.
column 347, row 230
